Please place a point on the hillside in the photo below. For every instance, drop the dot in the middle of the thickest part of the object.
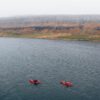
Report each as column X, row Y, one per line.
column 83, row 27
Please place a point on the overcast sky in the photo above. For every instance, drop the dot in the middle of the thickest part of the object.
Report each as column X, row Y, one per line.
column 46, row 7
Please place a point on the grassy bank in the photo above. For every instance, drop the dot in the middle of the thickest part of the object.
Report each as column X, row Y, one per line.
column 60, row 36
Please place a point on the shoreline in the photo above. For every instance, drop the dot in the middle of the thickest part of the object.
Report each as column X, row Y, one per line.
column 64, row 39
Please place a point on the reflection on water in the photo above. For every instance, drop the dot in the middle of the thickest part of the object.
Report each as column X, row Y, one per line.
column 49, row 61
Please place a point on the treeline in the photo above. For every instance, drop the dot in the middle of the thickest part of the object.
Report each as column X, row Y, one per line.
column 40, row 20
column 78, row 29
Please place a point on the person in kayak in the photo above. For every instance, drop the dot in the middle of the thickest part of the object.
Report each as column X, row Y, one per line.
column 66, row 83
column 35, row 82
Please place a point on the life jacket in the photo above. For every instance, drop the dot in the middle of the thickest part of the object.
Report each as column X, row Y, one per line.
column 66, row 83
column 35, row 82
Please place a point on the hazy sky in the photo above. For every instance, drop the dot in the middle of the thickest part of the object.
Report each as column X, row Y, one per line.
column 38, row 7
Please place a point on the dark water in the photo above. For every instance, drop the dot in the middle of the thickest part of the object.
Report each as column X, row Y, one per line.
column 49, row 61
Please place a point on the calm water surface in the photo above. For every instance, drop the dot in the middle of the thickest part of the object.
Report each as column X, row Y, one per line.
column 49, row 61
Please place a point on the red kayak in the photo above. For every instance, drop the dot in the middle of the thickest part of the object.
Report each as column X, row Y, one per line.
column 35, row 82
column 67, row 84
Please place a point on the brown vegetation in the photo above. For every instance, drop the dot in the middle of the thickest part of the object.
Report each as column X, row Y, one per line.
column 51, row 30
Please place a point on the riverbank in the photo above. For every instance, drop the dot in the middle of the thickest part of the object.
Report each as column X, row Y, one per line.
column 57, row 36
column 76, row 27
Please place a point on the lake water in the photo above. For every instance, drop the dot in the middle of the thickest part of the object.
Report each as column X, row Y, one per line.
column 49, row 61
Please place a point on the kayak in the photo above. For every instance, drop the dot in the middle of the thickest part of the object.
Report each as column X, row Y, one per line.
column 35, row 82
column 66, row 83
